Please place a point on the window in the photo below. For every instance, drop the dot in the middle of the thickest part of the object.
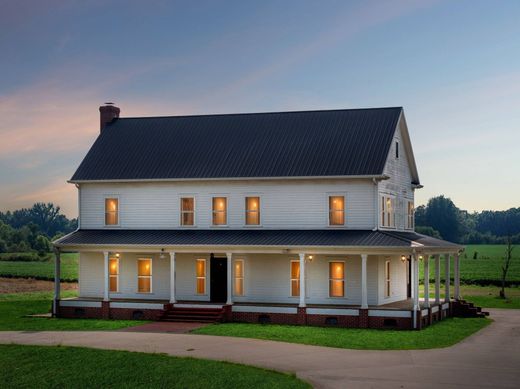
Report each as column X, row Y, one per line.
column 144, row 275
column 200, row 271
column 396, row 149
column 387, row 278
column 252, row 211
column 111, row 211
column 387, row 211
column 187, row 211
column 113, row 271
column 336, row 279
column 239, row 277
column 410, row 220
column 336, row 210
column 219, row 211
column 295, row 278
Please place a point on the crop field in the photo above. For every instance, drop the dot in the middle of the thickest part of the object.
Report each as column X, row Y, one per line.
column 42, row 270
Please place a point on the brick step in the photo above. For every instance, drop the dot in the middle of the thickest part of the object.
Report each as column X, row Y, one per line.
column 191, row 314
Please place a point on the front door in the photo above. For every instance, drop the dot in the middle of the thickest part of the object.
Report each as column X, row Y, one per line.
column 409, row 277
column 218, row 280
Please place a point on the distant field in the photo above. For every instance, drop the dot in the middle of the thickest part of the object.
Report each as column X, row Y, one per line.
column 43, row 270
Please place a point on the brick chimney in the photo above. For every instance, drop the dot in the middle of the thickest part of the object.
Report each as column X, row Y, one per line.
column 108, row 113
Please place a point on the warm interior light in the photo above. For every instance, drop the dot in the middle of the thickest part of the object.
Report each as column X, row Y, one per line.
column 421, row 257
column 310, row 257
column 147, row 266
column 117, row 255
column 403, row 258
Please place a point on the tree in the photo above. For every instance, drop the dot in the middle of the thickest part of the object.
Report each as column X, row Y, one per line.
column 42, row 245
column 505, row 266
column 442, row 215
column 428, row 231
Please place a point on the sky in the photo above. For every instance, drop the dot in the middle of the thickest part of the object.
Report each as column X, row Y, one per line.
column 453, row 66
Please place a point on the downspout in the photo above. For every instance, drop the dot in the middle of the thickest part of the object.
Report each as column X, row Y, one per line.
column 376, row 204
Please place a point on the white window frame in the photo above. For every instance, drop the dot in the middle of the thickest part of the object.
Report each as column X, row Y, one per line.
column 334, row 279
column 181, row 211
column 235, row 278
column 384, row 211
column 410, row 217
column 204, row 277
column 246, row 211
column 344, row 195
column 388, row 278
column 111, row 257
column 110, row 197
column 213, row 211
column 294, row 279
column 150, row 276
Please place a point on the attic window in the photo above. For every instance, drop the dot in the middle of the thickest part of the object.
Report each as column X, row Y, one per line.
column 396, row 149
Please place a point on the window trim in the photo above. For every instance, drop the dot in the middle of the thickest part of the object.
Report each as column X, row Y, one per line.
column 205, row 277
column 110, row 258
column 111, row 197
column 213, row 211
column 291, row 279
column 344, row 195
column 150, row 276
column 259, row 210
column 388, row 278
column 187, row 196
column 333, row 279
column 235, row 278
column 383, row 211
column 410, row 217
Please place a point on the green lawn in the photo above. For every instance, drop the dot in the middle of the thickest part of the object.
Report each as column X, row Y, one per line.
column 442, row 334
column 15, row 307
column 42, row 270
column 55, row 367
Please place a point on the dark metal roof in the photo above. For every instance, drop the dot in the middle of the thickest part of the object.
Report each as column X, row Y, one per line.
column 248, row 238
column 350, row 142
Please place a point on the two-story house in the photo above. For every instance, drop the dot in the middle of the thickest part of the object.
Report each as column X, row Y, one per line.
column 285, row 217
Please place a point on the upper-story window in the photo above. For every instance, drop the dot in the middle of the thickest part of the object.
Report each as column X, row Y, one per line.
column 410, row 219
column 252, row 211
column 387, row 211
column 111, row 211
column 336, row 210
column 396, row 149
column 219, row 211
column 187, row 211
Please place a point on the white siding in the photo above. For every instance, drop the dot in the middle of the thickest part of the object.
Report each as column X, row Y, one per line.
column 397, row 279
column 298, row 204
column 91, row 274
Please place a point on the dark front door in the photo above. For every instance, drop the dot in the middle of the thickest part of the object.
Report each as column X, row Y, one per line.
column 218, row 280
column 409, row 277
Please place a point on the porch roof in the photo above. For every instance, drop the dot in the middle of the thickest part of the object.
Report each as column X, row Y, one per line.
column 254, row 238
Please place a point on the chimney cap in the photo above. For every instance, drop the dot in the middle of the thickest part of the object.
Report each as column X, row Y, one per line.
column 109, row 103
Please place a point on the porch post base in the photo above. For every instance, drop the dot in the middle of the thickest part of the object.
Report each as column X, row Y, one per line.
column 302, row 316
column 56, row 308
column 228, row 313
column 105, row 309
column 363, row 318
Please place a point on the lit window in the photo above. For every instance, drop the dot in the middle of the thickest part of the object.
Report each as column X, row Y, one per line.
column 200, row 271
column 387, row 279
column 113, row 272
column 144, row 275
column 336, row 279
column 187, row 211
column 336, row 210
column 239, row 277
column 219, row 211
column 111, row 211
column 387, row 211
column 252, row 211
column 410, row 216
column 295, row 278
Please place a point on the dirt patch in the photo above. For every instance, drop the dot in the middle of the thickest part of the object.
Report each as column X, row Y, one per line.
column 20, row 285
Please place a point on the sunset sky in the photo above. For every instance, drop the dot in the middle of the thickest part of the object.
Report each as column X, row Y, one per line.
column 453, row 65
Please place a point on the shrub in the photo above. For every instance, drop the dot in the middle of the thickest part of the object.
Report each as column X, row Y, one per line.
column 22, row 257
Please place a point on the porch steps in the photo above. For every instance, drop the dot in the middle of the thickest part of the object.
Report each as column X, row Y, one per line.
column 199, row 315
column 463, row 308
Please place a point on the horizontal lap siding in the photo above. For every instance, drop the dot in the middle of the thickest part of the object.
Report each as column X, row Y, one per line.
column 284, row 205
column 398, row 290
column 91, row 275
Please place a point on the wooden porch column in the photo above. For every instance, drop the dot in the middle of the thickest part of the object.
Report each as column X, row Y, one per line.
column 447, row 277
column 426, row 281
column 302, row 280
column 57, row 280
column 229, row 279
column 172, row 277
column 456, row 276
column 364, row 292
column 106, row 277
column 437, row 279
column 415, row 285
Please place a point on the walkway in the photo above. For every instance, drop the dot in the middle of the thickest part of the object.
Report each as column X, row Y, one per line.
column 489, row 359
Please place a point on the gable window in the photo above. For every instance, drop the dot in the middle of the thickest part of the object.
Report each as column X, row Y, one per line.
column 387, row 278
column 396, row 149
column 219, row 211
column 336, row 210
column 113, row 272
column 410, row 219
column 200, row 272
column 239, row 277
column 252, row 211
column 336, row 279
column 387, row 211
column 187, row 211
column 144, row 275
column 111, row 211
column 295, row 278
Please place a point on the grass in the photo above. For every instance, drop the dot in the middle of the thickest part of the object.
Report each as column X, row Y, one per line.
column 54, row 367
column 442, row 334
column 15, row 307
column 42, row 270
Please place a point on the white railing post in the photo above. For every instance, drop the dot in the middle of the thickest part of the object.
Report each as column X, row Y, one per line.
column 447, row 277
column 302, row 280
column 456, row 276
column 106, row 277
column 364, row 291
column 427, row 281
column 172, row 278
column 415, row 286
column 437, row 279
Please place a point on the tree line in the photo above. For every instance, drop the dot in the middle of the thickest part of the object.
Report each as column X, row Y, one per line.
column 32, row 229
column 441, row 218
